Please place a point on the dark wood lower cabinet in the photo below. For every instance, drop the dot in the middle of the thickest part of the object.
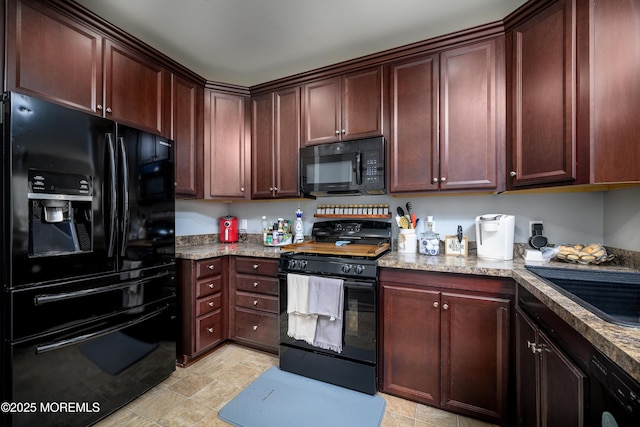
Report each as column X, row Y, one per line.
column 445, row 341
column 550, row 387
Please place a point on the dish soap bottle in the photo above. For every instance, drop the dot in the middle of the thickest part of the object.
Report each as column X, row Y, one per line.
column 298, row 227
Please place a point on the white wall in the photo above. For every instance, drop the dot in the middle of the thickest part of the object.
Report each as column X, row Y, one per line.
column 622, row 219
column 567, row 217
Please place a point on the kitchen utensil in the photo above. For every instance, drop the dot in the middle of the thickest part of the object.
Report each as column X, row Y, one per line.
column 400, row 211
column 410, row 215
column 403, row 222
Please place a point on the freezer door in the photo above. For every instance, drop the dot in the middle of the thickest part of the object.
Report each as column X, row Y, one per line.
column 146, row 200
column 96, row 369
column 58, row 173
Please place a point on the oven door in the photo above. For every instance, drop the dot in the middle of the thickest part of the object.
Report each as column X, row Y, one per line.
column 359, row 332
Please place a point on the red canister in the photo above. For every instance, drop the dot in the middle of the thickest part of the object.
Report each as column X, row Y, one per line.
column 228, row 229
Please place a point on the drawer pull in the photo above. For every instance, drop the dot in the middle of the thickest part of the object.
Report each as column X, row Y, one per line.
column 211, row 266
column 210, row 330
column 211, row 285
column 255, row 284
column 255, row 327
column 435, row 304
column 256, row 266
column 255, row 302
column 210, row 303
column 445, row 306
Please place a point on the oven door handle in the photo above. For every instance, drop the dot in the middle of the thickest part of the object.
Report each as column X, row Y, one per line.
column 57, row 345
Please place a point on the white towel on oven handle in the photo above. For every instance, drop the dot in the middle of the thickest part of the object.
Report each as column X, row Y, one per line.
column 326, row 299
column 301, row 324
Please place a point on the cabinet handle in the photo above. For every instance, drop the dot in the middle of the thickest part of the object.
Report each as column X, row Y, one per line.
column 255, row 327
column 436, row 304
column 445, row 306
column 344, row 131
column 210, row 303
column 443, row 179
column 109, row 110
column 337, row 132
column 242, row 189
column 275, row 189
column 99, row 107
column 513, row 174
column 256, row 266
column 255, row 302
column 210, row 330
column 534, row 348
column 435, row 180
column 270, row 188
column 211, row 266
column 255, row 284
column 211, row 285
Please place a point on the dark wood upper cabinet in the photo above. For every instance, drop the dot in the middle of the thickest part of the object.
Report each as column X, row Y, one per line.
column 136, row 89
column 343, row 107
column 226, row 146
column 275, row 132
column 446, row 120
column 616, row 91
column 53, row 57
column 542, row 103
column 187, row 103
column 413, row 152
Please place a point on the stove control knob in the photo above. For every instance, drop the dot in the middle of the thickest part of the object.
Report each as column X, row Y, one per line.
column 292, row 264
column 359, row 269
column 303, row 264
column 346, row 268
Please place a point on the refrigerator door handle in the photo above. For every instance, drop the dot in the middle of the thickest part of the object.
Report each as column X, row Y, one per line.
column 125, row 197
column 56, row 345
column 113, row 207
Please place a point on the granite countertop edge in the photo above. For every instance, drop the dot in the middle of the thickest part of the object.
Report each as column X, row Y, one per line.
column 621, row 344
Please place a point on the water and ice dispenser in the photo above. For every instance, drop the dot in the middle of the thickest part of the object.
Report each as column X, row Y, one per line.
column 60, row 213
column 494, row 234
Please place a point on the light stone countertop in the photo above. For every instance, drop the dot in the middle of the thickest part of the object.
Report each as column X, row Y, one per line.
column 620, row 343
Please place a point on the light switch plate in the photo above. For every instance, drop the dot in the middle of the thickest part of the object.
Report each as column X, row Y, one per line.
column 243, row 224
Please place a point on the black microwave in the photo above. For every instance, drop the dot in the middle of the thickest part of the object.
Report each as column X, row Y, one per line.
column 343, row 168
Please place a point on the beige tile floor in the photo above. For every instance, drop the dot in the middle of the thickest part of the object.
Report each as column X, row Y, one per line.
column 193, row 396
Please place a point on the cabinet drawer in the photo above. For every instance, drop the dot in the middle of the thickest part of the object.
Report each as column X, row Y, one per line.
column 208, row 286
column 208, row 304
column 262, row 266
column 208, row 267
column 208, row 330
column 257, row 327
column 260, row 284
column 257, row 302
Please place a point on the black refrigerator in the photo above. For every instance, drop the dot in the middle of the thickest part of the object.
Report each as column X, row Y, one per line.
column 87, row 310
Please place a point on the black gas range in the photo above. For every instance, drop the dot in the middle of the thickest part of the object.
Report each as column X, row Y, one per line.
column 347, row 252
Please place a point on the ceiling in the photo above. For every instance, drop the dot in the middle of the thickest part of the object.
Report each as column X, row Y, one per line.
column 248, row 42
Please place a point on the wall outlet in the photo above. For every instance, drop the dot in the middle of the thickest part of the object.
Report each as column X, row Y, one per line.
column 535, row 224
column 243, row 224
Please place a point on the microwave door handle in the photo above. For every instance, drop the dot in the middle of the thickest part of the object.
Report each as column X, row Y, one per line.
column 359, row 168
column 112, row 180
column 125, row 197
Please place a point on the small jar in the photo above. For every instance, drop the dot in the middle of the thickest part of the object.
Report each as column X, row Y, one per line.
column 429, row 243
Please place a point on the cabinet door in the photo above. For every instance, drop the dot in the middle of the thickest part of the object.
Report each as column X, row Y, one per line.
column 322, row 103
column 262, row 168
column 414, row 125
column 186, row 131
column 136, row 89
column 543, row 99
column 475, row 355
column 616, row 91
column 225, row 146
column 287, row 141
column 411, row 343
column 526, row 372
column 469, row 115
column 53, row 57
column 562, row 387
column 362, row 104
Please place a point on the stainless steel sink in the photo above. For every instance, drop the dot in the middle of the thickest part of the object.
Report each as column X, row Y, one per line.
column 613, row 296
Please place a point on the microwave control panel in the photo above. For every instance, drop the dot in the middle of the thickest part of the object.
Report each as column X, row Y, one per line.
column 373, row 169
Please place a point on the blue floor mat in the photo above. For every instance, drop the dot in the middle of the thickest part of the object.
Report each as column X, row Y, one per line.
column 282, row 399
